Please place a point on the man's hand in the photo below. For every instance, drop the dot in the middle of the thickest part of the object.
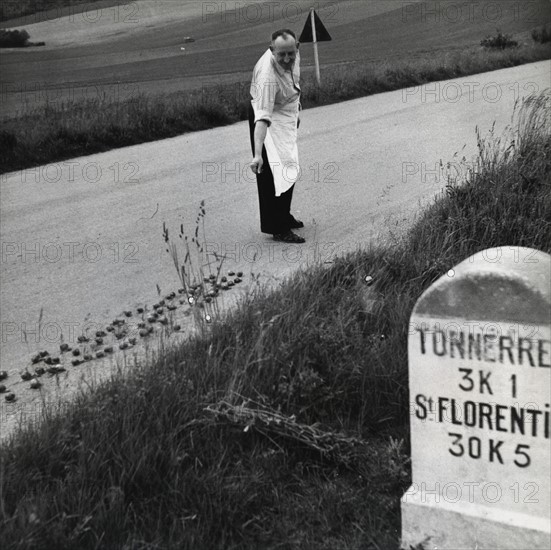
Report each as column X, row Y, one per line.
column 256, row 165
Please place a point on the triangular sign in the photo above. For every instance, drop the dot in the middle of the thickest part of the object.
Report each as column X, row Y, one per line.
column 322, row 35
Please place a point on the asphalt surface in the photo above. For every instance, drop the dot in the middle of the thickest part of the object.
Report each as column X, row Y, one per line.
column 82, row 240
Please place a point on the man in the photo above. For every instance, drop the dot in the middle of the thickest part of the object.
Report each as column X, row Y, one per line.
column 273, row 124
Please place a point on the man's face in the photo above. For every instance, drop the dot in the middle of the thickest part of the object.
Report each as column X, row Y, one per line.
column 285, row 51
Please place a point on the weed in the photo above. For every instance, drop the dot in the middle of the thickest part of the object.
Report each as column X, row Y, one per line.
column 499, row 42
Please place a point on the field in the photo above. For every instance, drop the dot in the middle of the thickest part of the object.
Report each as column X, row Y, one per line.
column 141, row 52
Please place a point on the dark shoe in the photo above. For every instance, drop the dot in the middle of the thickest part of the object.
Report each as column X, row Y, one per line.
column 296, row 224
column 289, row 237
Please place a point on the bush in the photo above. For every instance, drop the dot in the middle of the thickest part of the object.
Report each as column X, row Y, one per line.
column 13, row 39
column 8, row 140
column 499, row 42
column 542, row 35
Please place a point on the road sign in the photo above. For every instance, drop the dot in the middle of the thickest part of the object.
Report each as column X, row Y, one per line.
column 314, row 31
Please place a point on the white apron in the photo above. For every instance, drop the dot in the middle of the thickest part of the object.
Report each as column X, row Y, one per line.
column 281, row 147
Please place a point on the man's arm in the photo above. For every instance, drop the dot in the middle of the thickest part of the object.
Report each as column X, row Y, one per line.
column 260, row 130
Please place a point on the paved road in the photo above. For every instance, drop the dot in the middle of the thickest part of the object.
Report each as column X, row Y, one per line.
column 82, row 240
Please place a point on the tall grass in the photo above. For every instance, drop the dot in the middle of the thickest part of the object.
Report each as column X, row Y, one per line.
column 64, row 130
column 286, row 426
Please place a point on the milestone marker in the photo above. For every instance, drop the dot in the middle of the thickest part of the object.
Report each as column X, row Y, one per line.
column 480, row 381
column 315, row 31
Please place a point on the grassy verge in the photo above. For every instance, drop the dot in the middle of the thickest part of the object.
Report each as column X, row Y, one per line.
column 286, row 425
column 65, row 130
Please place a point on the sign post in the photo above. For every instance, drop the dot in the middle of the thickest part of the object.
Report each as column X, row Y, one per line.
column 315, row 41
column 479, row 355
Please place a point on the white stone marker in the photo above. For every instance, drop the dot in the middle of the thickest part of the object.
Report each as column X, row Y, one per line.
column 479, row 380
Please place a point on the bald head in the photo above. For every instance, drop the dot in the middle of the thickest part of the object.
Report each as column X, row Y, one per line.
column 284, row 48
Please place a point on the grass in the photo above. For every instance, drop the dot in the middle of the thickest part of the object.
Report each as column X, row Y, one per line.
column 285, row 425
column 64, row 130
column 48, row 8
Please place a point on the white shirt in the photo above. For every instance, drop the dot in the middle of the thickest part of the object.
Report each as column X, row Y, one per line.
column 275, row 96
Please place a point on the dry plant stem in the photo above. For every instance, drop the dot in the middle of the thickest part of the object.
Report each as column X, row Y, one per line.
column 336, row 446
column 192, row 270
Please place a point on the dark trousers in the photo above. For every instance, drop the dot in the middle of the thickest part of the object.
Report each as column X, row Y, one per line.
column 275, row 212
